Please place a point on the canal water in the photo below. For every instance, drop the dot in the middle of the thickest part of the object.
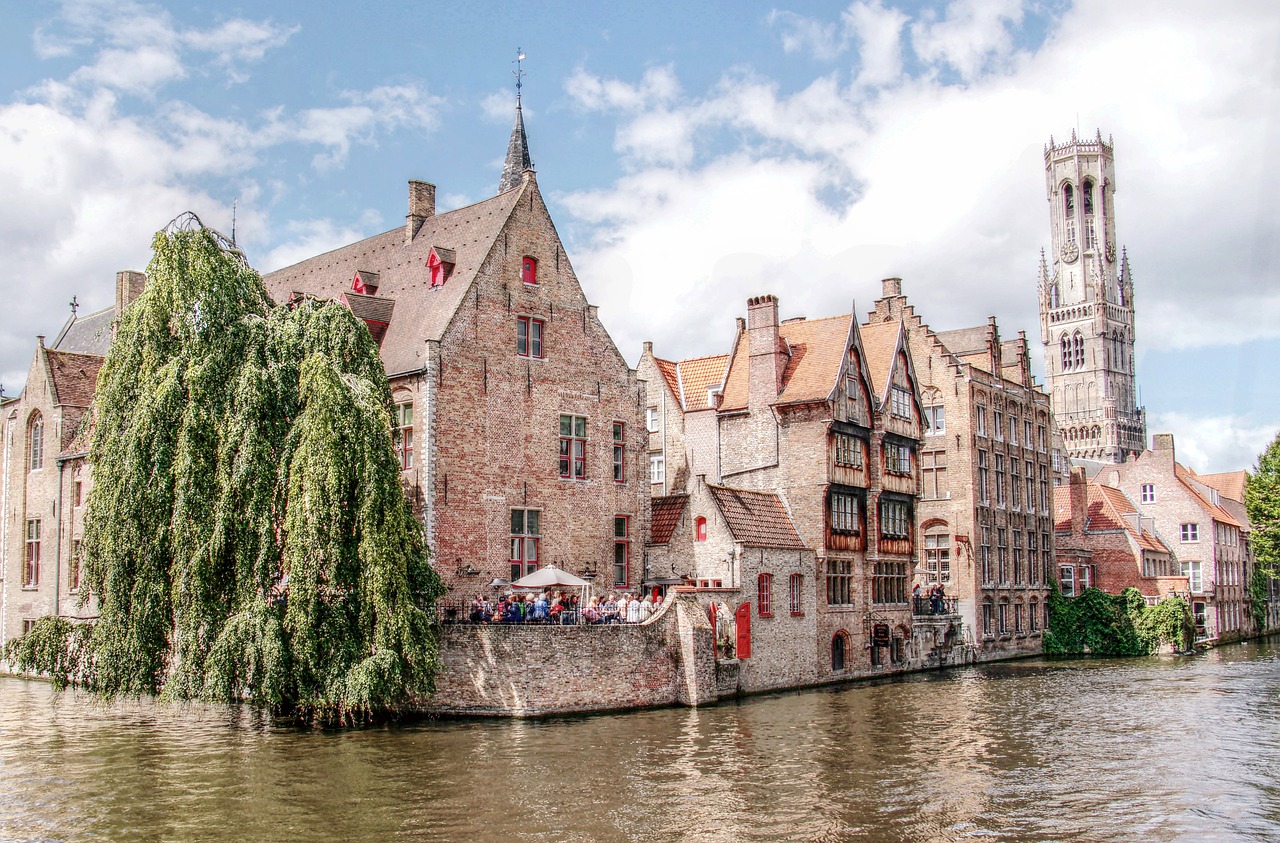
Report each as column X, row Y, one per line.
column 1134, row 750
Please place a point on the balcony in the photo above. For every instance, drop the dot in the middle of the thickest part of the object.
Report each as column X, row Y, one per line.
column 925, row 607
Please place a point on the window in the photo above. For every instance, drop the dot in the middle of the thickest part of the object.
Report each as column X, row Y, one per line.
column 848, row 450
column 1067, row 578
column 1014, row 482
column 897, row 458
column 77, row 493
column 402, row 433
column 1044, row 488
column 983, row 480
column 1013, row 430
column 1031, row 487
column 31, row 562
column 900, row 403
column 937, row 557
column 651, row 419
column 1018, row 574
column 934, row 470
column 529, row 271
column 844, row 513
column 764, row 595
column 851, row 389
column 1040, row 440
column 895, row 519
column 1032, row 568
column 998, row 418
column 1017, row 617
column 619, row 451
column 1190, row 533
column 526, row 533
column 1026, row 433
column 1002, row 617
column 573, row 447
column 935, row 420
column 982, row 420
column 1148, row 493
column 1190, row 570
column 795, row 594
column 1033, row 614
column 699, row 529
column 988, row 617
column 657, row 468
column 839, row 582
column 1085, row 578
column 621, row 550
column 1000, row 487
column 528, row 336
column 35, row 438
column 1077, row 349
column 985, row 552
column 1002, row 554
column 73, row 565
column 837, row 652
column 889, row 583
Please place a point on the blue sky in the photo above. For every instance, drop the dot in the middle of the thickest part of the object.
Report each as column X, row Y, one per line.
column 693, row 155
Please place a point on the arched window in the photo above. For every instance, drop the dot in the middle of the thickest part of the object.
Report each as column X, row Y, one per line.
column 699, row 529
column 529, row 271
column 1033, row 614
column 1077, row 350
column 1068, row 201
column 1053, row 295
column 1087, row 188
column 1066, row 352
column 837, row 651
column 35, row 441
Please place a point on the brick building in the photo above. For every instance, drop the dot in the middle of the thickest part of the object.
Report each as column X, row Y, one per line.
column 519, row 424
column 1104, row 542
column 1207, row 540
column 986, row 462
column 1087, row 307
column 45, row 478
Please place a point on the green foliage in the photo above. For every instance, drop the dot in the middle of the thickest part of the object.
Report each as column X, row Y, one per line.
column 1262, row 503
column 236, row 442
column 1114, row 625
column 1259, row 583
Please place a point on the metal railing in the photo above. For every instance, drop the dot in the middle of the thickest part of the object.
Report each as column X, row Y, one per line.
column 933, row 605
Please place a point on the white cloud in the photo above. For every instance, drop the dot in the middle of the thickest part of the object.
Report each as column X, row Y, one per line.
column 800, row 34
column 659, row 85
column 308, row 238
column 878, row 31
column 973, row 35
column 1213, row 444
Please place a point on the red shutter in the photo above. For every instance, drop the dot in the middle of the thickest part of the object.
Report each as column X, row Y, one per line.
column 743, row 618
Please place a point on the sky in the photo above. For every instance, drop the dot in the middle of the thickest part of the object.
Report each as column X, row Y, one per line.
column 692, row 155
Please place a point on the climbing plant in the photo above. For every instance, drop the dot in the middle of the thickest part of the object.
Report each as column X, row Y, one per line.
column 241, row 451
column 1262, row 503
column 1103, row 624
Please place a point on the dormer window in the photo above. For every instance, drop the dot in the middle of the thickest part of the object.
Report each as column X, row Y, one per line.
column 440, row 263
column 529, row 270
column 365, row 283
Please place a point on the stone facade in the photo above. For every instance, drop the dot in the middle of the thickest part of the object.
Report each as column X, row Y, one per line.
column 986, row 463
column 1087, row 307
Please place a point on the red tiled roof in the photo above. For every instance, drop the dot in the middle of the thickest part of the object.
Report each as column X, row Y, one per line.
column 667, row 369
column 75, row 377
column 666, row 514
column 880, row 341
column 816, row 349
column 422, row 312
column 1107, row 508
column 1230, row 484
column 1062, row 509
column 1217, row 512
column 695, row 376
column 757, row 519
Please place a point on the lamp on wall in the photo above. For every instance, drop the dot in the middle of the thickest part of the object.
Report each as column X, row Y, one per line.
column 460, row 571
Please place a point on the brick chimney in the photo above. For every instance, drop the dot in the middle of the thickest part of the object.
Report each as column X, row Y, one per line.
column 1079, row 500
column 129, row 285
column 767, row 359
column 422, row 204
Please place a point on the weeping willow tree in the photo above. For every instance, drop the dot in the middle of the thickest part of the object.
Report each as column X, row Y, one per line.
column 239, row 446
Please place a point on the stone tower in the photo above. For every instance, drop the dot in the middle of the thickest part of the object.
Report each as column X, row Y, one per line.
column 1086, row 307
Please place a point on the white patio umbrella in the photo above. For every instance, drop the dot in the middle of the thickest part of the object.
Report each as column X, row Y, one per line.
column 549, row 577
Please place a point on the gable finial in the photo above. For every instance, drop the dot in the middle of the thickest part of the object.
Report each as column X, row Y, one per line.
column 519, row 74
column 518, row 159
column 75, row 305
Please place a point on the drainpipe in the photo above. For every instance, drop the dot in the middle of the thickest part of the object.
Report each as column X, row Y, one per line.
column 57, row 539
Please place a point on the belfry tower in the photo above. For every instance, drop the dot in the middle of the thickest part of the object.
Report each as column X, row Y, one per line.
column 1086, row 307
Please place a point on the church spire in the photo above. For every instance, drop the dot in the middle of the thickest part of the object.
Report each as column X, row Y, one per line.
column 518, row 148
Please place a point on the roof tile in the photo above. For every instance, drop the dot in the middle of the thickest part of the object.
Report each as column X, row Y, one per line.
column 757, row 519
column 666, row 514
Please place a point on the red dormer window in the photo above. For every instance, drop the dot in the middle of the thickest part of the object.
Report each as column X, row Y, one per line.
column 529, row 271
column 365, row 283
column 440, row 264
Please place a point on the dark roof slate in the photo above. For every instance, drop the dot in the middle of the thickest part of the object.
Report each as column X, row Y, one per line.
column 757, row 519
column 89, row 334
column 666, row 514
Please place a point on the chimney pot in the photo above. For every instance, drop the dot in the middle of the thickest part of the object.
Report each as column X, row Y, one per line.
column 891, row 287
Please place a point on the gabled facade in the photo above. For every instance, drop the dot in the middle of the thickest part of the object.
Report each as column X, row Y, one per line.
column 986, row 465
column 520, row 426
column 1103, row 541
column 1208, row 542
column 680, row 417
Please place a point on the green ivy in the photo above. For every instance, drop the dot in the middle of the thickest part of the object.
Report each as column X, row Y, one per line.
column 235, row 442
column 1105, row 624
column 1259, row 584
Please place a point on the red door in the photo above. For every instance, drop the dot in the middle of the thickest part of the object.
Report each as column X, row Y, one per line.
column 742, row 617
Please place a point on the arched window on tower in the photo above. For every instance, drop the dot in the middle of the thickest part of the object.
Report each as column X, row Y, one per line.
column 1069, row 211
column 1087, row 189
column 1090, row 241
column 1053, row 294
column 1077, row 350
column 1065, row 343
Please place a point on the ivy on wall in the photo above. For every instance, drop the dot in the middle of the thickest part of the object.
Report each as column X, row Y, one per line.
column 241, row 452
column 1105, row 624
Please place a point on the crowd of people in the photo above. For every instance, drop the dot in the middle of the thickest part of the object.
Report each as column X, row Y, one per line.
column 935, row 599
column 565, row 608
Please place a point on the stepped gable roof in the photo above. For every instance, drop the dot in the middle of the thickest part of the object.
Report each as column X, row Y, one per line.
column 880, row 341
column 1230, row 484
column 1107, row 508
column 666, row 514
column 757, row 519
column 422, row 312
column 816, row 350
column 696, row 376
column 88, row 334
column 74, row 377
column 1217, row 512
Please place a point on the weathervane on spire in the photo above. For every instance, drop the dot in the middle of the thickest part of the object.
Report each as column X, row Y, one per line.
column 519, row 73
column 75, row 305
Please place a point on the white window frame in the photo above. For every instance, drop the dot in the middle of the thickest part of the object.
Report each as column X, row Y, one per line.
column 1190, row 533
column 657, row 468
column 1148, row 493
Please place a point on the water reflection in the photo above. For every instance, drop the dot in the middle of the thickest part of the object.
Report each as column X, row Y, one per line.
column 1149, row 749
